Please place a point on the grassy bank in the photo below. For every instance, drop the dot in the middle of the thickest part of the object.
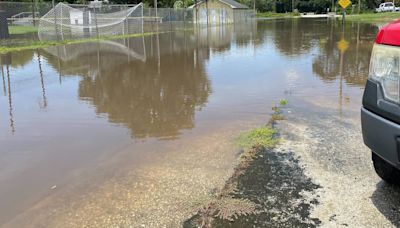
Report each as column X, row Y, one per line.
column 276, row 15
column 364, row 17
column 18, row 30
column 43, row 44
column 374, row 17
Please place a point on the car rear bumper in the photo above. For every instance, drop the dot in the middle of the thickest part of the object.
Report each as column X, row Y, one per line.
column 382, row 136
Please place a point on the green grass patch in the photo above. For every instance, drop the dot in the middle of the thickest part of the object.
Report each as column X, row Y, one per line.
column 283, row 102
column 262, row 136
column 222, row 205
column 374, row 17
column 276, row 15
column 18, row 30
column 43, row 44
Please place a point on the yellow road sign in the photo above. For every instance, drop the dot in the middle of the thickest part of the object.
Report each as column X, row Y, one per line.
column 344, row 3
column 342, row 45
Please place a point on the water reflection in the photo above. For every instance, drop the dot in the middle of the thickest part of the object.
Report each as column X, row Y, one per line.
column 153, row 85
column 5, row 63
column 10, row 101
column 296, row 37
column 4, row 82
column 43, row 105
column 16, row 60
column 151, row 98
column 355, row 60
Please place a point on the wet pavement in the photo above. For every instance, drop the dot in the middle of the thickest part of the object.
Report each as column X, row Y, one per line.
column 331, row 148
column 135, row 132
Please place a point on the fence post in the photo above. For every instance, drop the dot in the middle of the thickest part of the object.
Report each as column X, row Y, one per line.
column 4, row 34
column 170, row 21
column 86, row 29
column 95, row 16
column 184, row 18
column 142, row 17
column 33, row 13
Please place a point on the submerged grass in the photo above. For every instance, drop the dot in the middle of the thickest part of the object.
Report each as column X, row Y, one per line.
column 283, row 102
column 277, row 114
column 374, row 17
column 44, row 44
column 262, row 136
column 18, row 30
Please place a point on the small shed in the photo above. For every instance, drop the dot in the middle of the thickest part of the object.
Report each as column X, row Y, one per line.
column 220, row 12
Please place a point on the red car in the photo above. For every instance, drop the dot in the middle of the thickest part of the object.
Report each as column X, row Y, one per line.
column 380, row 114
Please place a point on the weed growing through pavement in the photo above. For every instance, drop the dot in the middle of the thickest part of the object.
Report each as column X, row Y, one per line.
column 223, row 205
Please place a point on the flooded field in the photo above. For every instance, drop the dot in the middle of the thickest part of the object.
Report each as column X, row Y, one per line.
column 134, row 132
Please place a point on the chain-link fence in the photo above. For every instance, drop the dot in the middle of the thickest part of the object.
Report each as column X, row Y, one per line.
column 74, row 21
column 79, row 21
column 167, row 19
column 24, row 13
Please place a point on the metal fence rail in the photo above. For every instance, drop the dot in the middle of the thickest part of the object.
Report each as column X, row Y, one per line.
column 71, row 21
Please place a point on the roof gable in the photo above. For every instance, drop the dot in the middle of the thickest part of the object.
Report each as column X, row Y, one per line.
column 234, row 4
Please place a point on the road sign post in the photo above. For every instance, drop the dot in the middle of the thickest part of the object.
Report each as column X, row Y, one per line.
column 344, row 4
column 343, row 15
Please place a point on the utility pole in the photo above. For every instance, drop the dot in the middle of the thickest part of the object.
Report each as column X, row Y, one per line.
column 33, row 12
column 394, row 7
column 155, row 7
column 292, row 6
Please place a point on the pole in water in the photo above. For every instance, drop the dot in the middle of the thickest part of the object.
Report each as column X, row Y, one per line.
column 343, row 15
column 42, row 82
column 4, row 33
column 10, row 101
column 4, row 82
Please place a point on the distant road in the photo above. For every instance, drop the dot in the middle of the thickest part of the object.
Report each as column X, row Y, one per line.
column 319, row 15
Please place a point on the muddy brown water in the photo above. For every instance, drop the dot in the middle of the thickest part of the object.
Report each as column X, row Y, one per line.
column 73, row 117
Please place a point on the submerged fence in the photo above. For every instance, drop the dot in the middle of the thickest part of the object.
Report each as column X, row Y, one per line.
column 71, row 21
column 77, row 21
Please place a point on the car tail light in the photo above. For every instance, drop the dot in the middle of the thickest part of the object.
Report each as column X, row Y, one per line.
column 385, row 69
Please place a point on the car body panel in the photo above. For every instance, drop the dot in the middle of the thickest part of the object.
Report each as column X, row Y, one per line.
column 389, row 34
column 381, row 136
column 380, row 117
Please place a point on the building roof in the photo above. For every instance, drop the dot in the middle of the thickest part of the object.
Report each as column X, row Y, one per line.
column 232, row 3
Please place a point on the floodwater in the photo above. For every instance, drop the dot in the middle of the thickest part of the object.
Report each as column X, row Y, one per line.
column 126, row 132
